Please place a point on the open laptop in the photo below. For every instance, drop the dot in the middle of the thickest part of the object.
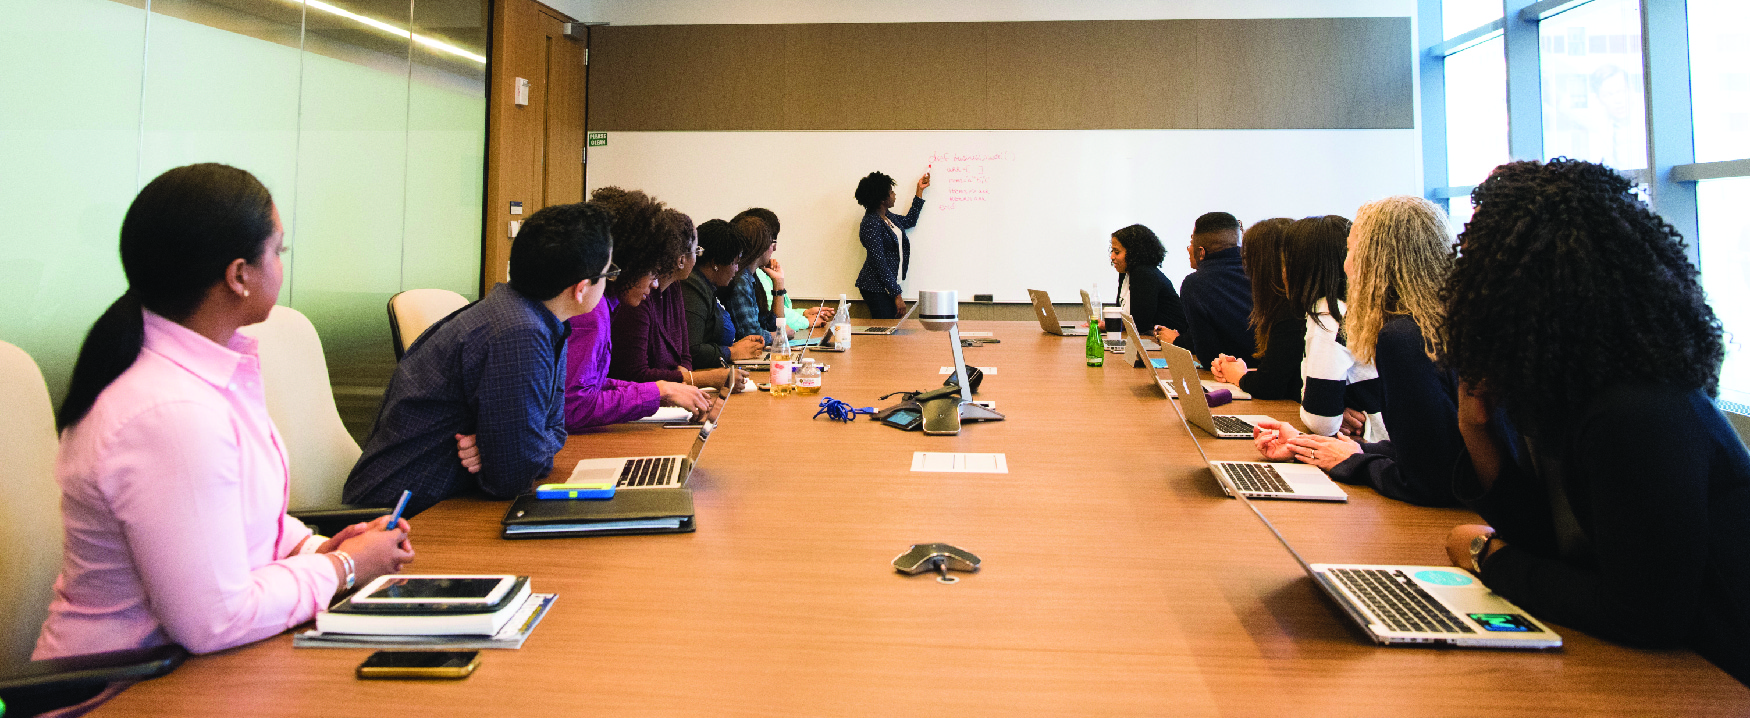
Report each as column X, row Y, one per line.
column 888, row 330
column 1047, row 316
column 1140, row 358
column 649, row 472
column 1221, row 426
column 808, row 339
column 1258, row 479
column 1416, row 605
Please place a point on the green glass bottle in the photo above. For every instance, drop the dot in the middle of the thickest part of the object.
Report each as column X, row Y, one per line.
column 1096, row 347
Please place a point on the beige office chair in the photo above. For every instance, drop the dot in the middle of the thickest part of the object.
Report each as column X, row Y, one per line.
column 301, row 403
column 413, row 311
column 30, row 516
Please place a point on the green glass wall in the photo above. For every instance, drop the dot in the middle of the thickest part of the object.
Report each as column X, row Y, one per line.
column 365, row 118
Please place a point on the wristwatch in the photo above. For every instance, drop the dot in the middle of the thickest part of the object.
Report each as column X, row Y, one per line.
column 1479, row 550
column 780, row 292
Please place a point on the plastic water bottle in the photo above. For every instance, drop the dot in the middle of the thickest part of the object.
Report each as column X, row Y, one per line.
column 808, row 378
column 781, row 365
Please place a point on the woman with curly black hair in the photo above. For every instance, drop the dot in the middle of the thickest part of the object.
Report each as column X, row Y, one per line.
column 1143, row 291
column 644, row 253
column 883, row 236
column 1618, row 497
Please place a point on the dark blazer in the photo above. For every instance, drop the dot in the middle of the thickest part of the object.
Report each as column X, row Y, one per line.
column 1153, row 302
column 1218, row 305
column 883, row 268
column 705, row 319
column 1658, row 552
column 1421, row 414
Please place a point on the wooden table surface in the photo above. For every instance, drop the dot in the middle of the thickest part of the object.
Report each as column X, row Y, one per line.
column 1117, row 580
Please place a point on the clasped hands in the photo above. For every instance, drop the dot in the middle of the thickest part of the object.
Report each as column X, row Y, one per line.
column 1277, row 441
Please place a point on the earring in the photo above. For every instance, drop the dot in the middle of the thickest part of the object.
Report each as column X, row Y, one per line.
column 245, row 292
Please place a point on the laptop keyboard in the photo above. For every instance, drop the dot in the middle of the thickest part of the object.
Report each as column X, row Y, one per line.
column 653, row 471
column 1257, row 479
column 1232, row 425
column 1399, row 602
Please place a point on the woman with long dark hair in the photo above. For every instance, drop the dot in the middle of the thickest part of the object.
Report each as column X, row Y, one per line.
column 1617, row 496
column 173, row 481
column 1278, row 328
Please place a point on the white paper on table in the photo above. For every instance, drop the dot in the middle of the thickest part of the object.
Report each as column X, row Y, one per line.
column 988, row 370
column 976, row 335
column 959, row 463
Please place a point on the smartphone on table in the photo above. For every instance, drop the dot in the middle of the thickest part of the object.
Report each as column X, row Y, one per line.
column 438, row 665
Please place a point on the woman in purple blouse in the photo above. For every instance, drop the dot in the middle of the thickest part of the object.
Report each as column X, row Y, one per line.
column 650, row 241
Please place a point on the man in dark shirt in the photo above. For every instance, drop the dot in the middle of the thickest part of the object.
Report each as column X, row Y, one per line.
column 1217, row 296
column 477, row 402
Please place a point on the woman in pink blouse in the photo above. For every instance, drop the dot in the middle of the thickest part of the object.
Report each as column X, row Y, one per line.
column 173, row 480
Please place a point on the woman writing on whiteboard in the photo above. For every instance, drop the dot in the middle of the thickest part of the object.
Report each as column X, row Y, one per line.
column 883, row 236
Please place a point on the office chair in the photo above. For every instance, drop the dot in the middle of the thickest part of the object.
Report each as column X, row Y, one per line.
column 301, row 402
column 30, row 557
column 413, row 311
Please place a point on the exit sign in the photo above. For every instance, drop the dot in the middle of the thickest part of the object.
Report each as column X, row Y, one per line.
column 598, row 139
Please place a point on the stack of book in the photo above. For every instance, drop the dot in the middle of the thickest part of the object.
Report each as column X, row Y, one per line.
column 505, row 623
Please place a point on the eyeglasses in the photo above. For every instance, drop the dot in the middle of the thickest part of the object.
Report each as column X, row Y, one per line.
column 612, row 272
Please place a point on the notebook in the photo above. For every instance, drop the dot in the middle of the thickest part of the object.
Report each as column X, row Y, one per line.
column 1047, row 316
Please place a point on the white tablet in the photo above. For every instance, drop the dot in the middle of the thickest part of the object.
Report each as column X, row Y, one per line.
column 387, row 591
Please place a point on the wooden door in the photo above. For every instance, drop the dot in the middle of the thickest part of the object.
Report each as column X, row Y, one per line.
column 534, row 152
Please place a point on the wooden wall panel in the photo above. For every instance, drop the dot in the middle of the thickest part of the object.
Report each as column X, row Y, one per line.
column 1314, row 73
column 1091, row 75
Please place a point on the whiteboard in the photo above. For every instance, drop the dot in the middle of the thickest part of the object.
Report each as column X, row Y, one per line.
column 1007, row 210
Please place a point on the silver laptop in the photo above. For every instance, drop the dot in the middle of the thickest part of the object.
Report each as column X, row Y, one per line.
column 1261, row 479
column 888, row 330
column 1222, row 426
column 1156, row 364
column 1047, row 316
column 808, row 339
column 1418, row 605
column 649, row 472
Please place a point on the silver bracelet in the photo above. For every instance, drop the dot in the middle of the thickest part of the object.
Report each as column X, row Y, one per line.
column 351, row 569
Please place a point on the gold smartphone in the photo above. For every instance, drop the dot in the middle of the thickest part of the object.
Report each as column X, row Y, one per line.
column 443, row 665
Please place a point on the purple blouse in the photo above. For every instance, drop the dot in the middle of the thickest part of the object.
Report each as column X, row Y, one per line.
column 650, row 340
column 591, row 398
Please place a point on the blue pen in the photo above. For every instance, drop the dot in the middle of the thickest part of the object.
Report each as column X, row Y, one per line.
column 395, row 518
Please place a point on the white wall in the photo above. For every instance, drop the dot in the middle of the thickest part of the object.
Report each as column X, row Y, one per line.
column 1395, row 170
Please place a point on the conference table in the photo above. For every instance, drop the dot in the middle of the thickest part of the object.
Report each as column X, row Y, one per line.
column 1117, row 579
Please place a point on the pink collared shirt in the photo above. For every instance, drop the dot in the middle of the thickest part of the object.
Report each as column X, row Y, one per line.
column 173, row 494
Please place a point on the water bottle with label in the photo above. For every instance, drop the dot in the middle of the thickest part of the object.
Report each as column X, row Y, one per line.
column 781, row 365
column 808, row 377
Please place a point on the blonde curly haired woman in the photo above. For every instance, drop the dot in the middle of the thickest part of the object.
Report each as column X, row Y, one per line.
column 1399, row 257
